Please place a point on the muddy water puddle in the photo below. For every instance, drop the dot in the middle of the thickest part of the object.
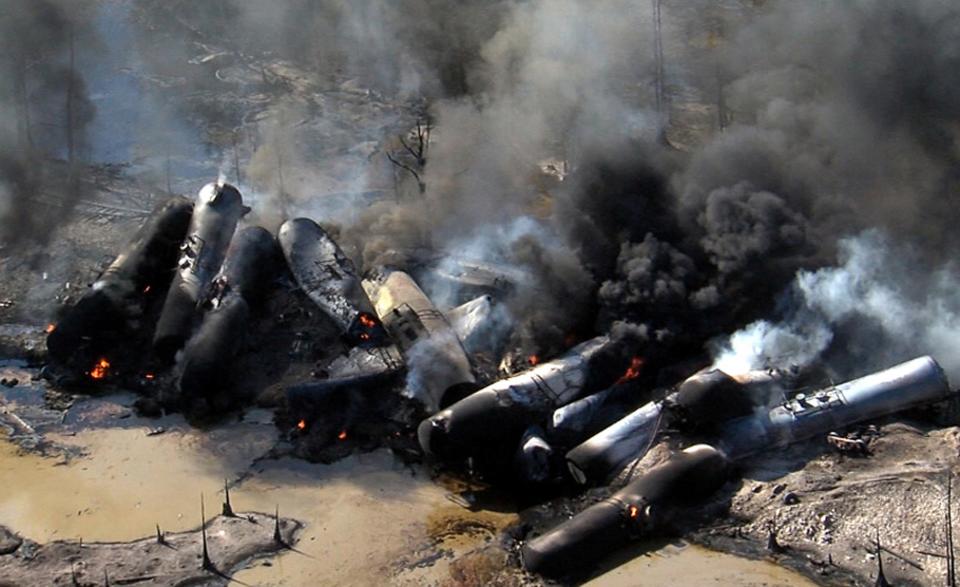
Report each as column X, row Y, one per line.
column 124, row 482
column 369, row 519
column 685, row 564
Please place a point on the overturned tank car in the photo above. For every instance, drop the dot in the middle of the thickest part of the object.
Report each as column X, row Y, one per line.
column 424, row 336
column 218, row 209
column 328, row 277
column 239, row 287
column 698, row 405
column 110, row 311
column 488, row 424
column 639, row 510
column 914, row 383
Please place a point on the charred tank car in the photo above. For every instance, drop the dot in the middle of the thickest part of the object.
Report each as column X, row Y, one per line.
column 111, row 310
column 640, row 510
column 699, row 405
column 238, row 289
column 748, row 413
column 487, row 425
column 218, row 209
column 330, row 280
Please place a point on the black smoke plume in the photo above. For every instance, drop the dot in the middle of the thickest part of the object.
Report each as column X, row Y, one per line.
column 44, row 112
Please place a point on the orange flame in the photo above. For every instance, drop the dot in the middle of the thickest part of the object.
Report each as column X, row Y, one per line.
column 366, row 320
column 302, row 425
column 633, row 512
column 342, row 435
column 100, row 370
column 633, row 371
column 50, row 328
column 534, row 360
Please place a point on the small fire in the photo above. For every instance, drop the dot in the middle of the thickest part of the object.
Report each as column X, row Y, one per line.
column 367, row 321
column 149, row 376
column 633, row 512
column 534, row 360
column 50, row 328
column 302, row 425
column 633, row 371
column 342, row 435
column 100, row 370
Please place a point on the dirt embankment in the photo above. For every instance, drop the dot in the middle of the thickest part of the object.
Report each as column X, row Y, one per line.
column 176, row 560
column 827, row 509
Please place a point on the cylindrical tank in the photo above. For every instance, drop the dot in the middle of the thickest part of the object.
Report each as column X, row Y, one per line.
column 638, row 510
column 488, row 424
column 916, row 382
column 242, row 282
column 218, row 209
column 423, row 335
column 534, row 458
column 610, row 449
column 481, row 325
column 701, row 402
column 102, row 317
column 579, row 420
column 330, row 280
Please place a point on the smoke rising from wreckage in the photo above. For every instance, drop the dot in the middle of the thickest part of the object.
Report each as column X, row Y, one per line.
column 560, row 248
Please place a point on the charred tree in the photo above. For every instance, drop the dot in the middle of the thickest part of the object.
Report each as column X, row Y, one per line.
column 412, row 155
column 69, row 107
column 658, row 57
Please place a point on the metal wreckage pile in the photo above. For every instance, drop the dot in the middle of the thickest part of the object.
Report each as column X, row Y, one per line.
column 580, row 418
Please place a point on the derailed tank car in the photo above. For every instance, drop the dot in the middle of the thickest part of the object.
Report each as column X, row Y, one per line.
column 239, row 287
column 424, row 336
column 328, row 277
column 109, row 312
column 488, row 424
column 918, row 382
column 639, row 510
column 700, row 402
column 218, row 209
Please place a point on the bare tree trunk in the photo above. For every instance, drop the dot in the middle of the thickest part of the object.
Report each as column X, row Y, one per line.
column 236, row 157
column 71, row 147
column 280, row 171
column 23, row 104
column 284, row 198
column 951, row 568
column 658, row 56
column 168, row 169
column 719, row 32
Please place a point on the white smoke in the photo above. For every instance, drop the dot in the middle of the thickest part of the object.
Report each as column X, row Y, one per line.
column 763, row 344
column 884, row 306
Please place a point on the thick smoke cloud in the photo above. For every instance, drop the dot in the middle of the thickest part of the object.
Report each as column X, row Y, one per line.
column 829, row 129
column 850, row 128
column 883, row 303
column 546, row 153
